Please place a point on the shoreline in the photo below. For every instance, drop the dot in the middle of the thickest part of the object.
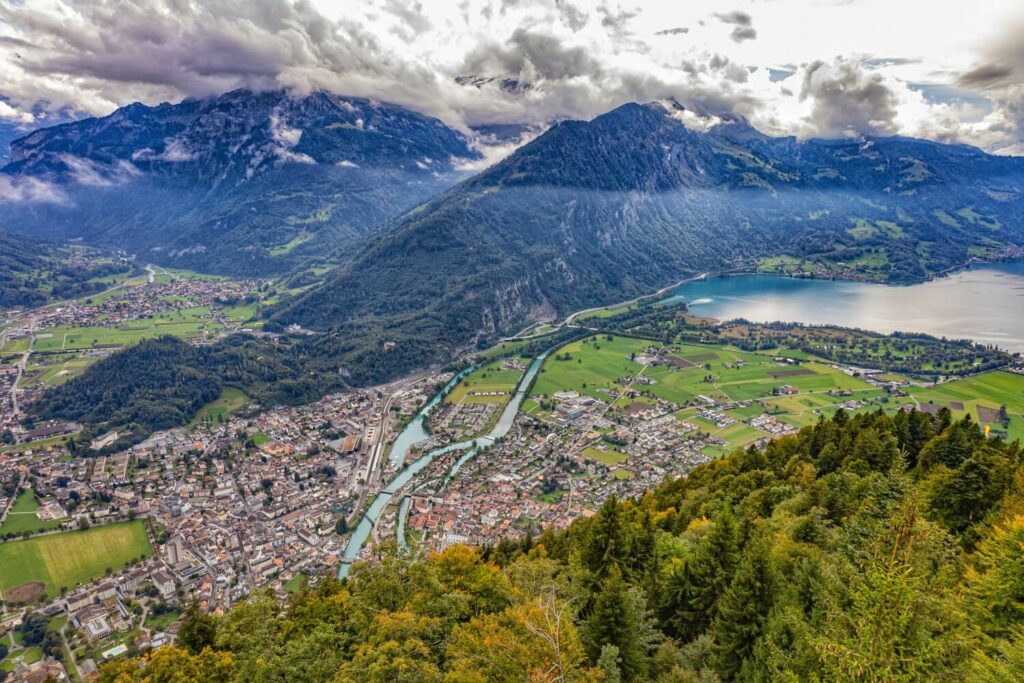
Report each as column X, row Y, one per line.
column 952, row 270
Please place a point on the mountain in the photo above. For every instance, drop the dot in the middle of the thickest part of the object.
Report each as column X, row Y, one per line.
column 595, row 212
column 244, row 183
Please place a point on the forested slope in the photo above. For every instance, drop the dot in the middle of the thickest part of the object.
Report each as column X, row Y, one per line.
column 597, row 212
column 867, row 548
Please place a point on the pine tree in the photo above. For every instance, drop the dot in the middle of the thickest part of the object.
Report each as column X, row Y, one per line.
column 607, row 545
column 742, row 611
column 694, row 589
column 197, row 631
column 614, row 621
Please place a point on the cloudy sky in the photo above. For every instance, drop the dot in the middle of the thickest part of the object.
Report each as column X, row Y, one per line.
column 949, row 70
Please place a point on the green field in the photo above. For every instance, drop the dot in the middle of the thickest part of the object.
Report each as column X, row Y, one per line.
column 186, row 323
column 22, row 517
column 491, row 378
column 595, row 366
column 230, row 401
column 605, row 457
column 160, row 622
column 503, row 348
column 295, row 584
column 988, row 390
column 70, row 558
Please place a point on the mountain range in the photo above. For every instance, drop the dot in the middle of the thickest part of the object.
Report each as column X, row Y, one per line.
column 588, row 213
column 595, row 212
column 244, row 183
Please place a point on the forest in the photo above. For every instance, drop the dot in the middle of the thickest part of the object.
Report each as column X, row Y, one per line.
column 162, row 383
column 34, row 272
column 863, row 548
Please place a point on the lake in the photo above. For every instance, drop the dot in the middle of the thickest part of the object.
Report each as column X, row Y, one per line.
column 984, row 303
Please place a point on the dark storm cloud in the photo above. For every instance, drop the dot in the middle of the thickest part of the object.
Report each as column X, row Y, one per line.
column 743, row 22
column 987, row 76
column 847, row 100
column 533, row 54
column 1001, row 64
column 735, row 17
column 150, row 50
column 572, row 16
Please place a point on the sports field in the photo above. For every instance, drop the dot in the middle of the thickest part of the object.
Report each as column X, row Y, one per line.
column 70, row 558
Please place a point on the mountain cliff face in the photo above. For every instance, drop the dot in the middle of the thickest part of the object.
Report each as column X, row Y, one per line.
column 594, row 212
column 242, row 183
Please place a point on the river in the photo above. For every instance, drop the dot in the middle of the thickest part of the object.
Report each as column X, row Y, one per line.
column 984, row 303
column 410, row 435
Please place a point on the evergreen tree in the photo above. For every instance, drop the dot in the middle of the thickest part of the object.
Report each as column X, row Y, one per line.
column 742, row 611
column 692, row 592
column 606, row 545
column 198, row 630
column 614, row 621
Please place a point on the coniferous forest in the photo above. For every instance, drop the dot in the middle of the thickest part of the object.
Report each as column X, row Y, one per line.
column 864, row 548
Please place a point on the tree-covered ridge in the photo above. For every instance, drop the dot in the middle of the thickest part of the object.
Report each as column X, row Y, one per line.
column 162, row 383
column 34, row 272
column 864, row 548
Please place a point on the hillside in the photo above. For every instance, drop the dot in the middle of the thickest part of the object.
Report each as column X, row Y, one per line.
column 34, row 272
column 243, row 183
column 865, row 548
column 595, row 212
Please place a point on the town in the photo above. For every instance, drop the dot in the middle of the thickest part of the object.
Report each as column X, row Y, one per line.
column 272, row 498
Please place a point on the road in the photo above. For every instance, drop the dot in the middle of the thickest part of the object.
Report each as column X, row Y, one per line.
column 378, row 447
column 22, row 365
column 14, row 498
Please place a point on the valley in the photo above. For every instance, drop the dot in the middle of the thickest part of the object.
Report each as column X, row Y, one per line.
column 413, row 364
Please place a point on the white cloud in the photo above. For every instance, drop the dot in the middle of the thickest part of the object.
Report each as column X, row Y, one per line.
column 570, row 58
column 28, row 189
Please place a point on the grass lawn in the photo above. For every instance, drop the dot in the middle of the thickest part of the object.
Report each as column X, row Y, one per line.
column 592, row 364
column 186, row 324
column 489, row 379
column 989, row 390
column 295, row 584
column 605, row 457
column 70, row 558
column 229, row 401
column 160, row 622
column 22, row 517
column 502, row 349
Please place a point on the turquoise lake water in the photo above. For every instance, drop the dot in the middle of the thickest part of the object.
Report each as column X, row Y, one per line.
column 984, row 303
